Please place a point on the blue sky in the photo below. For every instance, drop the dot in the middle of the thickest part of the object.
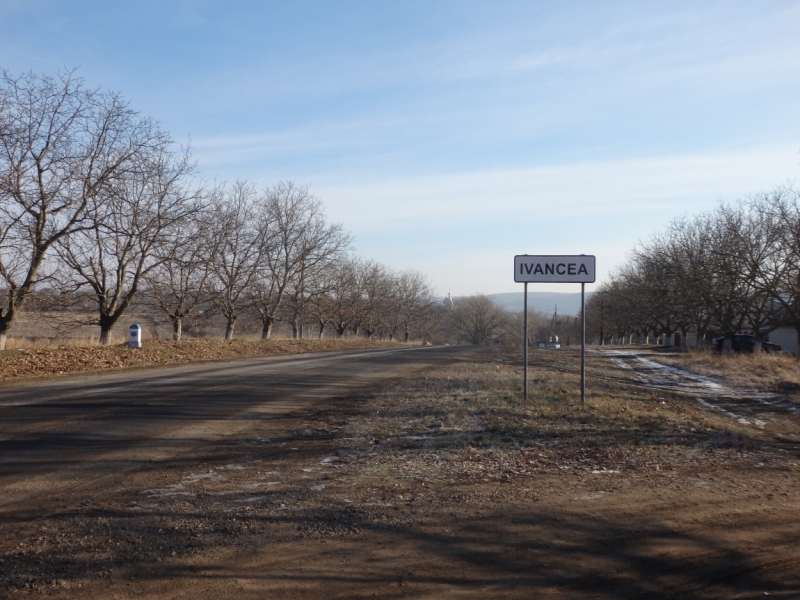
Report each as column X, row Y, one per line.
column 449, row 136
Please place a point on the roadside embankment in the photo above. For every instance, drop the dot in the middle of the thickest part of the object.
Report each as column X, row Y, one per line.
column 47, row 362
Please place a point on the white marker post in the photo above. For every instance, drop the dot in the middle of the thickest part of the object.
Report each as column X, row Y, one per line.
column 530, row 268
column 135, row 337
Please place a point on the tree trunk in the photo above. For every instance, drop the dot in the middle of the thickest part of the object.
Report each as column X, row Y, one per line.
column 229, row 329
column 5, row 324
column 727, row 343
column 105, row 334
column 266, row 330
column 701, row 338
column 757, row 339
column 177, row 328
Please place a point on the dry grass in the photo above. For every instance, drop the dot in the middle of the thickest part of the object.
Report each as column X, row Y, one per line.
column 468, row 422
column 777, row 373
column 45, row 361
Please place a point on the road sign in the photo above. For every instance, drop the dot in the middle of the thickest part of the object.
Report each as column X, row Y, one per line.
column 531, row 268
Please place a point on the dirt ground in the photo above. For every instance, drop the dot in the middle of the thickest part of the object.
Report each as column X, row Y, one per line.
column 446, row 485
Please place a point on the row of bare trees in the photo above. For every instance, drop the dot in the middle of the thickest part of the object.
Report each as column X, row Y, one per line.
column 68, row 156
column 736, row 268
column 97, row 207
column 272, row 255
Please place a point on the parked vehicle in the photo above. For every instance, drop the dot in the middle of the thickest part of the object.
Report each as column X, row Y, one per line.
column 743, row 342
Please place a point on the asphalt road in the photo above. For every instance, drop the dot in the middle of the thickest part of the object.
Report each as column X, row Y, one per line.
column 69, row 434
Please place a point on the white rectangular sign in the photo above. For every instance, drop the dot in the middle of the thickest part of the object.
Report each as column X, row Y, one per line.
column 533, row 268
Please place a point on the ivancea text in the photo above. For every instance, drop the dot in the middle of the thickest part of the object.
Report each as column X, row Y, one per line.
column 553, row 269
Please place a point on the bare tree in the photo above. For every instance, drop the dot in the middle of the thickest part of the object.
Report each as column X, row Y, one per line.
column 343, row 295
column 61, row 145
column 240, row 247
column 127, row 223
column 606, row 316
column 779, row 272
column 320, row 305
column 178, row 280
column 689, row 256
column 731, row 288
column 375, row 283
column 361, row 290
column 299, row 241
column 757, row 240
column 414, row 297
column 477, row 319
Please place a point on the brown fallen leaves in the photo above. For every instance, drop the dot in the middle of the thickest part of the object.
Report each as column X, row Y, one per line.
column 45, row 362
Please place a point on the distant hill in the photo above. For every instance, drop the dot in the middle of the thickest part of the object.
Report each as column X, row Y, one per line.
column 568, row 304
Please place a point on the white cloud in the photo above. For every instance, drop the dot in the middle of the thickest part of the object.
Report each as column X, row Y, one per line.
column 463, row 228
column 586, row 189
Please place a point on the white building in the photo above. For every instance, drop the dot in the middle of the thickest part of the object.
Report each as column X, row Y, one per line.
column 785, row 336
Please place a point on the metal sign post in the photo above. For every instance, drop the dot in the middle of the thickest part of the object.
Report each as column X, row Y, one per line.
column 583, row 346
column 525, row 351
column 529, row 268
